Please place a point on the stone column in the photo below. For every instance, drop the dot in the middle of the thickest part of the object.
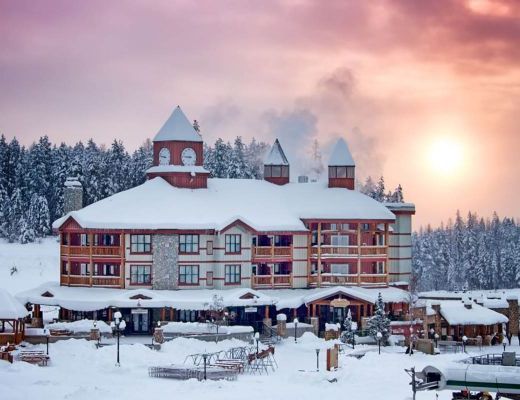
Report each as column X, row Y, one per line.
column 281, row 325
column 165, row 261
column 315, row 322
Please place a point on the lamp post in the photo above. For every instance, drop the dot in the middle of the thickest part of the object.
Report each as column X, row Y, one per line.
column 317, row 360
column 432, row 333
column 205, row 357
column 464, row 340
column 504, row 343
column 411, row 341
column 436, row 340
column 257, row 338
column 295, row 328
column 118, row 325
column 379, row 336
column 98, row 333
column 47, row 334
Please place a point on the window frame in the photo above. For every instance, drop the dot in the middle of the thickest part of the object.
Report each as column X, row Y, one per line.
column 190, row 274
column 146, row 244
column 191, row 243
column 232, row 274
column 233, row 245
column 137, row 274
column 209, row 247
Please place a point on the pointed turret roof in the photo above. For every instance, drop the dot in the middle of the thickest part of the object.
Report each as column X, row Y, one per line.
column 341, row 155
column 276, row 156
column 177, row 127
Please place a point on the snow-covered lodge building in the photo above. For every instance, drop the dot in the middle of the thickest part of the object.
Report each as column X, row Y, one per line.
column 183, row 230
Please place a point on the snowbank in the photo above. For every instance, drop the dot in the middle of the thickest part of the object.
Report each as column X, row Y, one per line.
column 190, row 328
column 82, row 326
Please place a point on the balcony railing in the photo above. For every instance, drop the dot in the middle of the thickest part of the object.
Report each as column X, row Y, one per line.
column 349, row 251
column 107, row 251
column 272, row 281
column 84, row 280
column 351, row 279
column 272, row 251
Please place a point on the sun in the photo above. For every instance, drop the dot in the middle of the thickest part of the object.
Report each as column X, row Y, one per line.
column 446, row 155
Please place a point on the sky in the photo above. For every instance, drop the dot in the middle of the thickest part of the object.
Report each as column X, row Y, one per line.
column 426, row 93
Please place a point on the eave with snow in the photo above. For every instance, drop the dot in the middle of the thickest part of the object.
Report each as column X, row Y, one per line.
column 12, row 314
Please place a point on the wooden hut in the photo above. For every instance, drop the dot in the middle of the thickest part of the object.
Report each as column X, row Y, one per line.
column 12, row 314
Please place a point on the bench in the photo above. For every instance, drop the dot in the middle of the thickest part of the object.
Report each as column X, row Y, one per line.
column 60, row 332
column 35, row 357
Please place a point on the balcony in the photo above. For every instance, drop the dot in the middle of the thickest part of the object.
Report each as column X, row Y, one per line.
column 328, row 279
column 84, row 280
column 272, row 281
column 84, row 251
column 349, row 251
column 272, row 252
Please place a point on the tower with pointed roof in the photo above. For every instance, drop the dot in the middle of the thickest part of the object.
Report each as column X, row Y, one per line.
column 276, row 165
column 178, row 153
column 341, row 167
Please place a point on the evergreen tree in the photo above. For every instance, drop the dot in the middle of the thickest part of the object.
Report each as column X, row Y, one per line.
column 379, row 322
column 347, row 336
column 26, row 232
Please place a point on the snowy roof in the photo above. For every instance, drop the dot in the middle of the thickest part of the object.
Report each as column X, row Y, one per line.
column 455, row 313
column 504, row 294
column 11, row 308
column 294, row 298
column 91, row 299
column 177, row 127
column 72, row 182
column 341, row 155
column 259, row 204
column 276, row 156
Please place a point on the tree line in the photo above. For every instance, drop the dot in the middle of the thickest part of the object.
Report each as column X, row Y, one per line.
column 467, row 253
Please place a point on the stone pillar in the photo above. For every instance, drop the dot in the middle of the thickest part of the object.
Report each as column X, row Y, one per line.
column 158, row 335
column 72, row 195
column 281, row 325
column 165, row 262
column 513, row 316
column 315, row 322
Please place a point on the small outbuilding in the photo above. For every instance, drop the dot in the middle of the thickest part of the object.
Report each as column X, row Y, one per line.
column 12, row 315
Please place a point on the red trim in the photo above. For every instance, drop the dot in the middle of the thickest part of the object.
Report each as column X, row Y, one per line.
column 400, row 234
column 401, row 258
column 399, row 273
column 238, row 222
column 400, row 246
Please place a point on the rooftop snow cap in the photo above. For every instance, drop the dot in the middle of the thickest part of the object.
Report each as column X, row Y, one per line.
column 341, row 155
column 177, row 127
column 276, row 156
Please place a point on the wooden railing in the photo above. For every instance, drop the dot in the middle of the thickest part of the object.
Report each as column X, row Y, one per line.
column 84, row 280
column 272, row 251
column 272, row 281
column 349, row 251
column 351, row 279
column 108, row 251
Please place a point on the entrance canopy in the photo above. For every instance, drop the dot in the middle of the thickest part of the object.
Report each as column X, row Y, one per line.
column 92, row 299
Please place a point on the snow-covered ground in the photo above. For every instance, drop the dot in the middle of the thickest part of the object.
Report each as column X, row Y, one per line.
column 80, row 371
column 35, row 263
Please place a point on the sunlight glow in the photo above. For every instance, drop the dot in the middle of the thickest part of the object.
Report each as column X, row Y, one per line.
column 446, row 156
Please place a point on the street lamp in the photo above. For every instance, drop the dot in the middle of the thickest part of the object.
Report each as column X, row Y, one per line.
column 295, row 328
column 118, row 325
column 317, row 360
column 379, row 336
column 504, row 343
column 432, row 333
column 411, row 341
column 97, row 333
column 464, row 340
column 257, row 338
column 436, row 340
column 47, row 334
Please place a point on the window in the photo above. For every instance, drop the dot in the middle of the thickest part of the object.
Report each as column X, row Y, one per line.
column 365, row 227
column 340, row 269
column 188, row 274
column 209, row 247
column 64, row 268
column 277, row 171
column 209, row 278
column 106, row 269
column 105, row 239
column 339, row 240
column 285, row 172
column 64, row 239
column 380, row 267
column 140, row 274
column 140, row 243
column 79, row 269
column 254, row 268
column 350, row 172
column 188, row 243
column 341, row 172
column 232, row 274
column 84, row 239
column 233, row 243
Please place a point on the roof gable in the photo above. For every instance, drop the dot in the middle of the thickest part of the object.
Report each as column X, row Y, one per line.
column 177, row 127
column 341, row 155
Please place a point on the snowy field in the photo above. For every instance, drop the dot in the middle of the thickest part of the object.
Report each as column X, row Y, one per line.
column 36, row 263
column 80, row 371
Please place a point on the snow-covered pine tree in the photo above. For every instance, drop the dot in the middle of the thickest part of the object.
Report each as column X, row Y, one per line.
column 379, row 194
column 237, row 166
column 379, row 322
column 369, row 188
column 141, row 160
column 38, row 217
column 347, row 336
column 222, row 155
column 26, row 232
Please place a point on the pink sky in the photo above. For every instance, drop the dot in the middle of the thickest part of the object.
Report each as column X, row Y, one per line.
column 392, row 77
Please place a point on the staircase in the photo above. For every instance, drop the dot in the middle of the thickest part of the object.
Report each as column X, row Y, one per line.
column 269, row 336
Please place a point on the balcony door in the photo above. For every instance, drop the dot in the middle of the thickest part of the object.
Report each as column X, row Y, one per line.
column 339, row 240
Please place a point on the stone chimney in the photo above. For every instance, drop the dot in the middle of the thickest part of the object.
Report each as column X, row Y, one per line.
column 72, row 195
column 276, row 165
column 341, row 167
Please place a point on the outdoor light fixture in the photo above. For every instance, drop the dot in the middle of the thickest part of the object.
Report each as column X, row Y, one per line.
column 504, row 343
column 118, row 325
column 295, row 328
column 317, row 360
column 464, row 340
column 47, row 334
column 257, row 338
column 379, row 336
column 436, row 340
